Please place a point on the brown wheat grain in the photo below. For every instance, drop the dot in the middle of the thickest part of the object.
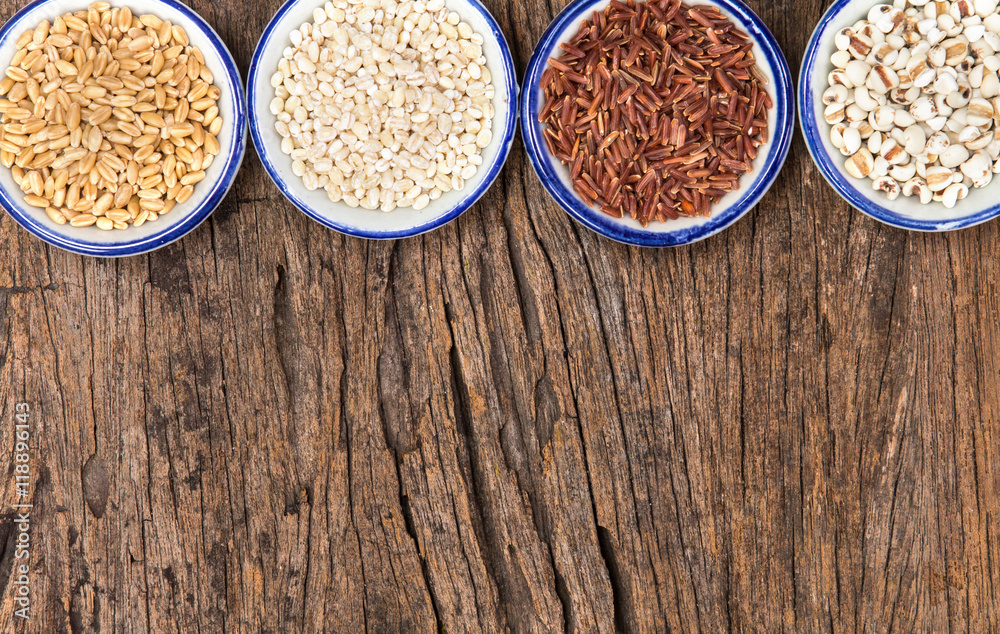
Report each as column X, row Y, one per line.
column 87, row 127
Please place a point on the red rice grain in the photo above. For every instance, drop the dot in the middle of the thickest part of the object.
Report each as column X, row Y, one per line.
column 657, row 108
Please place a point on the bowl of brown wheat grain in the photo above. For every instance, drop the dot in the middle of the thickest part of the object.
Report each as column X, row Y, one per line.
column 124, row 124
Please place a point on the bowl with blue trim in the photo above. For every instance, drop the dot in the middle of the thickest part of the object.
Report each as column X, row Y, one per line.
column 555, row 176
column 183, row 218
column 980, row 206
column 358, row 221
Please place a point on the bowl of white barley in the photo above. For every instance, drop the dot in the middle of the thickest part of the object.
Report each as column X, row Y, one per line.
column 383, row 119
column 123, row 125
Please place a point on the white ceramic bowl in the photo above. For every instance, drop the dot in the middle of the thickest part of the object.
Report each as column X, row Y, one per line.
column 906, row 213
column 365, row 223
column 555, row 176
column 182, row 219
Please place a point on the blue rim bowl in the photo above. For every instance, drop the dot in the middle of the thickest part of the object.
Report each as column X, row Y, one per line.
column 904, row 213
column 208, row 194
column 363, row 223
column 555, row 176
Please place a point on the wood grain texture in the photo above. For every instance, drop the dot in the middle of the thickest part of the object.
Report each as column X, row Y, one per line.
column 510, row 424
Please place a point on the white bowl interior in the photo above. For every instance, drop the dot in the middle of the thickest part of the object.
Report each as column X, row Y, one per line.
column 340, row 214
column 227, row 110
column 727, row 201
column 978, row 199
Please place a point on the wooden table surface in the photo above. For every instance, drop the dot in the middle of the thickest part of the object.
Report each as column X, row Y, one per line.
column 510, row 424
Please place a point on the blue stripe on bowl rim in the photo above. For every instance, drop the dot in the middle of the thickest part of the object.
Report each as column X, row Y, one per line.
column 811, row 131
column 507, row 139
column 196, row 216
column 594, row 219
